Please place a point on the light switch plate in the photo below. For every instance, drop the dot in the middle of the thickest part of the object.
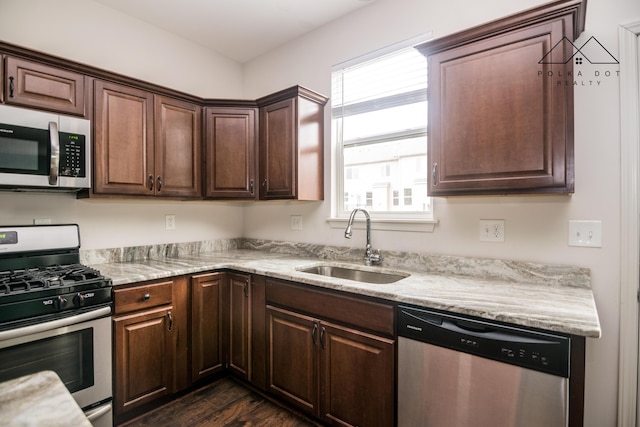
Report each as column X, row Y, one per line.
column 296, row 222
column 170, row 222
column 585, row 233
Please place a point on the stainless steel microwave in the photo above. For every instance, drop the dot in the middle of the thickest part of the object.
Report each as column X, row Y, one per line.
column 40, row 150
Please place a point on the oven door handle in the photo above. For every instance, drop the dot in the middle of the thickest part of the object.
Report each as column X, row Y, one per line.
column 98, row 412
column 54, row 324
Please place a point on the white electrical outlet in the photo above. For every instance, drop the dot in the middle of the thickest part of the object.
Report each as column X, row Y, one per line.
column 585, row 233
column 170, row 222
column 492, row 230
column 296, row 222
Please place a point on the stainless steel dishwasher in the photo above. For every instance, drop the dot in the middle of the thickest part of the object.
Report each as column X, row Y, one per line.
column 458, row 371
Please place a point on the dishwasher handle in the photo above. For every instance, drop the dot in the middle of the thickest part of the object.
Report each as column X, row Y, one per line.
column 421, row 323
column 478, row 330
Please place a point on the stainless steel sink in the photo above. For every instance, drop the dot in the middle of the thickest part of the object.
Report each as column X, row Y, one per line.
column 359, row 275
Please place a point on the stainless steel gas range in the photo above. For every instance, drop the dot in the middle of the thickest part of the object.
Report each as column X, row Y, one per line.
column 55, row 314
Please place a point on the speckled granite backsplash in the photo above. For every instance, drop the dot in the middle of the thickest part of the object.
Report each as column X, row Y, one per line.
column 149, row 252
column 489, row 269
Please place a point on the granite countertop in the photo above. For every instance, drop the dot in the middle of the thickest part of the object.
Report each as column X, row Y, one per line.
column 37, row 400
column 554, row 298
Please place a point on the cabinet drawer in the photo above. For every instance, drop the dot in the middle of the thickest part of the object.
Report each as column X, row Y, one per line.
column 358, row 312
column 143, row 296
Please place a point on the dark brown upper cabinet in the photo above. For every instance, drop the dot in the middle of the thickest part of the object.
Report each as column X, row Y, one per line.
column 150, row 140
column 291, row 145
column 497, row 123
column 34, row 85
column 230, row 146
column 145, row 144
column 178, row 148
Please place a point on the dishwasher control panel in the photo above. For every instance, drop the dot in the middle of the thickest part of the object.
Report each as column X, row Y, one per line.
column 541, row 351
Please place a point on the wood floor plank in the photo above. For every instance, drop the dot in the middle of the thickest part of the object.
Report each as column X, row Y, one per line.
column 223, row 403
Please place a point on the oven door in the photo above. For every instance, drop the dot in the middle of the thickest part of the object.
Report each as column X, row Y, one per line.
column 77, row 348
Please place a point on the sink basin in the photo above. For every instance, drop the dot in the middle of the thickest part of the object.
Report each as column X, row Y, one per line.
column 356, row 274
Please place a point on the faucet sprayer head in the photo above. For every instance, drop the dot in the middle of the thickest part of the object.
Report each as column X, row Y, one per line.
column 348, row 232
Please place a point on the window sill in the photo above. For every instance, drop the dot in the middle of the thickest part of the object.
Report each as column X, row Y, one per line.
column 413, row 225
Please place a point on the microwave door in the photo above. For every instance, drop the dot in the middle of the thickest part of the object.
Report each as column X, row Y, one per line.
column 25, row 147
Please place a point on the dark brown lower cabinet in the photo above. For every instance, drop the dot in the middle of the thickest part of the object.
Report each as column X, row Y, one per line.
column 209, row 330
column 357, row 386
column 339, row 374
column 149, row 343
column 144, row 353
column 239, row 324
column 328, row 354
column 293, row 358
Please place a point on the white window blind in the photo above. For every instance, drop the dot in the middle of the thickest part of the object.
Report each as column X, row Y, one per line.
column 379, row 128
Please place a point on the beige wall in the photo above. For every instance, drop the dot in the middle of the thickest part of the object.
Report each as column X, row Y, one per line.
column 536, row 226
column 89, row 33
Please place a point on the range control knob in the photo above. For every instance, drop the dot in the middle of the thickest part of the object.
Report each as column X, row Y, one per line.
column 60, row 302
column 78, row 299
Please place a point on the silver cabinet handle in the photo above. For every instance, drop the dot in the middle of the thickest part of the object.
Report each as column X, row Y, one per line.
column 12, row 86
column 150, row 182
column 434, row 174
column 170, row 320
column 159, row 180
column 54, row 161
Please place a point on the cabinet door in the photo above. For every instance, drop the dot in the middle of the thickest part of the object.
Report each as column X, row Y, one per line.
column 258, row 332
column 278, row 169
column 497, row 124
column 239, row 330
column 357, row 377
column 230, row 146
column 180, row 301
column 178, row 149
column 292, row 358
column 209, row 327
column 144, row 357
column 123, row 143
column 31, row 84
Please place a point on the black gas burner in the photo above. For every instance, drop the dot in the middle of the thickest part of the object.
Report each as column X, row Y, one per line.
column 41, row 275
column 37, row 279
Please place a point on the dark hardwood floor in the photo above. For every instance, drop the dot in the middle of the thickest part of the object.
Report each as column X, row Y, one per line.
column 223, row 403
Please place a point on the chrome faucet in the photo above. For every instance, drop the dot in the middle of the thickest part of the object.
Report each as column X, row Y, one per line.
column 369, row 255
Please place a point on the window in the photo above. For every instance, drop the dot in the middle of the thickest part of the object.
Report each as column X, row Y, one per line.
column 379, row 128
column 408, row 201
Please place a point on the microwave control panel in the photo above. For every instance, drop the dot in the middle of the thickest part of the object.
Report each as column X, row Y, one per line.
column 72, row 155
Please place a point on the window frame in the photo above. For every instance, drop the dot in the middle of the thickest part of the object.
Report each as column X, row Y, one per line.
column 398, row 220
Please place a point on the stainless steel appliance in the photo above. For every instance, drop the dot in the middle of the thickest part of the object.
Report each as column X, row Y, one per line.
column 55, row 314
column 457, row 371
column 40, row 150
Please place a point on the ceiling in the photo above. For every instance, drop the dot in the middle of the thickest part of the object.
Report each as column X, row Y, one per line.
column 237, row 29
